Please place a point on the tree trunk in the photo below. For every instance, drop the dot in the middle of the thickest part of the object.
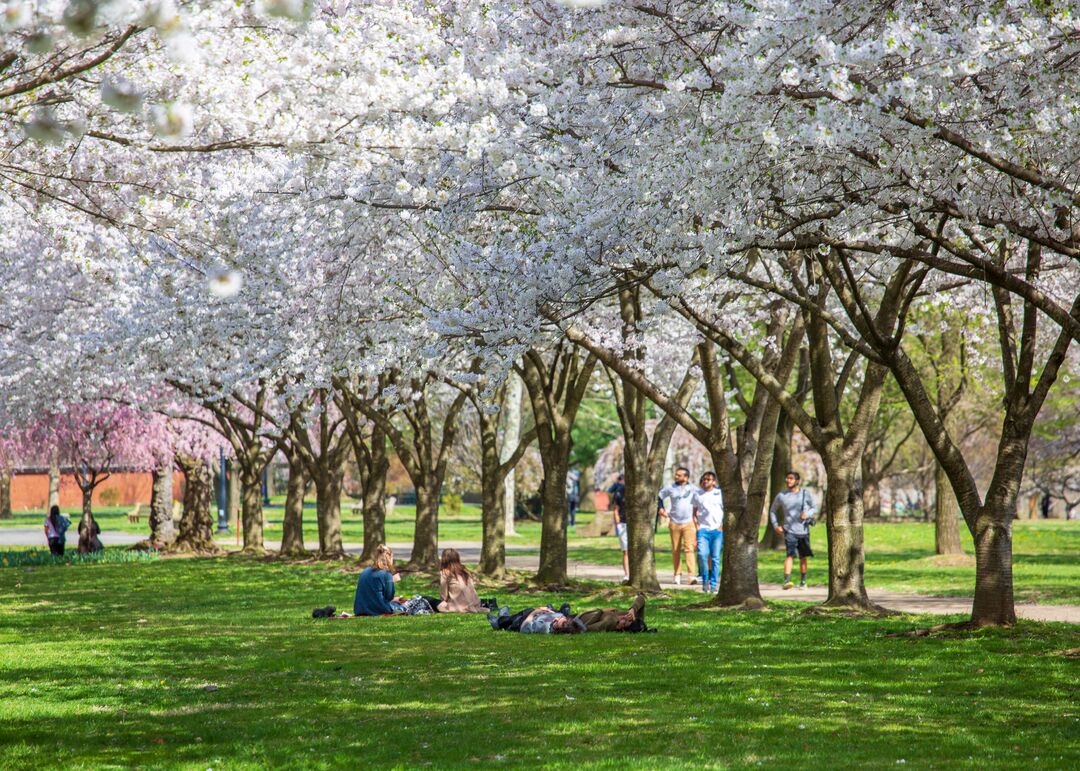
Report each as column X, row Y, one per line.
column 232, row 492
column 328, row 483
column 739, row 572
column 87, row 525
column 493, row 546
column 54, row 479
column 510, row 440
column 251, row 507
column 196, row 524
column 639, row 501
column 946, row 515
column 162, row 532
column 5, row 495
column 993, row 604
column 781, row 464
column 844, row 517
column 425, row 552
column 375, row 495
column 553, row 523
column 871, row 484
column 292, row 524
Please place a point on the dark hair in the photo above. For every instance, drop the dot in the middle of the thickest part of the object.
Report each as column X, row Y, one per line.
column 709, row 474
column 54, row 515
column 795, row 474
column 682, row 468
column 451, row 565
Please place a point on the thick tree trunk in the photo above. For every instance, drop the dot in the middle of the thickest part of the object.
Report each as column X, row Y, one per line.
column 292, row 524
column 553, row 523
column 87, row 525
column 946, row 515
column 54, row 479
column 328, row 485
column 5, row 495
column 781, row 464
column 639, row 501
column 197, row 522
column 739, row 573
column 425, row 553
column 844, row 517
column 493, row 545
column 162, row 531
column 375, row 495
column 511, row 436
column 251, row 508
column 993, row 604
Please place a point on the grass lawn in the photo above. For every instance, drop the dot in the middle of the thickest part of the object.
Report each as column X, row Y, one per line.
column 216, row 663
column 900, row 557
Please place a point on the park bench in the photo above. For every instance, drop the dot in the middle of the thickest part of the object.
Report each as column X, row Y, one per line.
column 133, row 515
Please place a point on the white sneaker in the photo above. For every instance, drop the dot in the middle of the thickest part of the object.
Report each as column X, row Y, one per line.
column 626, row 579
column 678, row 579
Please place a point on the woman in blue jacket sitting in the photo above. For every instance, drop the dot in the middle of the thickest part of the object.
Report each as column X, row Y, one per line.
column 375, row 587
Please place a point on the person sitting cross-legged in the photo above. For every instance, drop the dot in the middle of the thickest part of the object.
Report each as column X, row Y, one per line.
column 375, row 587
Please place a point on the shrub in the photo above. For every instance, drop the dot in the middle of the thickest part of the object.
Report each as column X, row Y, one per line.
column 43, row 557
column 452, row 504
column 110, row 497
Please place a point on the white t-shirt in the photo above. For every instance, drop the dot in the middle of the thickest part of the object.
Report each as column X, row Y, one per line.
column 710, row 508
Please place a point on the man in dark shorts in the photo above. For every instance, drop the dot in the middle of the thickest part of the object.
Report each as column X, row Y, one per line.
column 797, row 508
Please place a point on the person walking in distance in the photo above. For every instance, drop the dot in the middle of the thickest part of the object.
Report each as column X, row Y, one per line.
column 709, row 518
column 680, row 519
column 797, row 508
column 573, row 495
column 617, row 491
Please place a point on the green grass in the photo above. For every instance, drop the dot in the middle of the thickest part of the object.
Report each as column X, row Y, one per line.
column 33, row 556
column 900, row 557
column 216, row 663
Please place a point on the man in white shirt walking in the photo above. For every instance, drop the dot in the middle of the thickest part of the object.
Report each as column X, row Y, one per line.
column 681, row 522
column 709, row 518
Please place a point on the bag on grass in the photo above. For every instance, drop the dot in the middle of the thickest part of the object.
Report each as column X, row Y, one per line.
column 417, row 606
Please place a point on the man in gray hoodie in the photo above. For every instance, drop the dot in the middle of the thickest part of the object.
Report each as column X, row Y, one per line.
column 797, row 507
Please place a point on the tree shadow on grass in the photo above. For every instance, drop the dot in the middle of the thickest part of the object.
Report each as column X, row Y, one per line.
column 448, row 690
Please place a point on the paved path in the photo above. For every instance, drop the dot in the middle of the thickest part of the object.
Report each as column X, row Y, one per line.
column 35, row 536
column 527, row 558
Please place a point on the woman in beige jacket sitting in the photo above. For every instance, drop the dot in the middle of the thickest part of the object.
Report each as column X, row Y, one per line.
column 456, row 586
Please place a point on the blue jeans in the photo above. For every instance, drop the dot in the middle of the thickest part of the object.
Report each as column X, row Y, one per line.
column 710, row 544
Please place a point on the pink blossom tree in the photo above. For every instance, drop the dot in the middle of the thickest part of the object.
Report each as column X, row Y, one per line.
column 96, row 439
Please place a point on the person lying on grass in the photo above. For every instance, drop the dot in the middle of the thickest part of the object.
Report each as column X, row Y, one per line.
column 542, row 620
column 615, row 620
column 375, row 587
column 547, row 620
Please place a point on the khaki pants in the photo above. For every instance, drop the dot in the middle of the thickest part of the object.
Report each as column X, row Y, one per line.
column 684, row 537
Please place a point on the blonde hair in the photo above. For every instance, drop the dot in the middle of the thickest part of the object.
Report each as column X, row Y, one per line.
column 384, row 558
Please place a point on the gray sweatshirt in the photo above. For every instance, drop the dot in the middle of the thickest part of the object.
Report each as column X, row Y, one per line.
column 793, row 505
column 682, row 502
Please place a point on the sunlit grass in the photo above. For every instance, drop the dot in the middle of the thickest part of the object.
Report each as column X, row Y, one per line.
column 217, row 663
